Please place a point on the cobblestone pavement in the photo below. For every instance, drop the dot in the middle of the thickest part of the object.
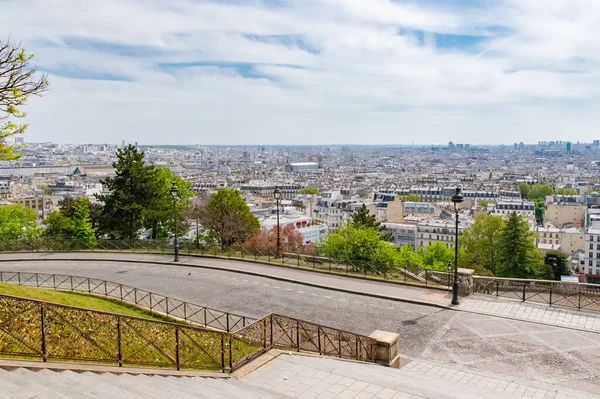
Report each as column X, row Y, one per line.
column 310, row 377
column 540, row 313
column 476, row 343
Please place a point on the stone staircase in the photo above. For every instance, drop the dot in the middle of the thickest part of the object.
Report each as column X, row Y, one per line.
column 22, row 383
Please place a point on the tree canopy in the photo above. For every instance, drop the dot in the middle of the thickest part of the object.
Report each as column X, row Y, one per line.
column 557, row 265
column 363, row 219
column 540, row 191
column 362, row 247
column 19, row 81
column 17, row 222
column 566, row 191
column 227, row 214
column 481, row 241
column 309, row 190
column 411, row 198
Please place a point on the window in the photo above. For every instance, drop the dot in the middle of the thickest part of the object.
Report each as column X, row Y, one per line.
column 590, row 270
column 421, row 243
column 590, row 262
column 591, row 255
column 438, row 237
column 591, row 246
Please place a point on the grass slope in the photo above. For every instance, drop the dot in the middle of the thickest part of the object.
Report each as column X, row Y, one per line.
column 81, row 300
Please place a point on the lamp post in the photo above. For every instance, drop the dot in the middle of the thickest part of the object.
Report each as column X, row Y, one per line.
column 277, row 195
column 457, row 198
column 174, row 193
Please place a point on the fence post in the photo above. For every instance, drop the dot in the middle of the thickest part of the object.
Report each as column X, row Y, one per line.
column 185, row 311
column 19, row 277
column 227, row 318
column 550, row 296
column 54, row 280
column 42, row 315
column 150, row 294
column 222, row 353
column 120, row 353
column 205, row 322
column 425, row 277
column 497, row 284
column 71, row 278
column 37, row 281
column 579, row 298
column 298, row 260
column 105, row 290
column 177, row 347
column 298, row 334
column 271, row 331
column 230, row 354
column 524, row 288
column 340, row 343
column 1, row 277
column 121, row 291
column 135, row 296
column 89, row 288
column 264, row 333
column 319, row 338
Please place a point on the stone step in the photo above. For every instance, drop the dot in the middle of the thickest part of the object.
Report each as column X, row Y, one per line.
column 29, row 384
column 127, row 383
column 172, row 387
column 53, row 380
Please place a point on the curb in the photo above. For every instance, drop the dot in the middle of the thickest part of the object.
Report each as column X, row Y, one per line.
column 246, row 272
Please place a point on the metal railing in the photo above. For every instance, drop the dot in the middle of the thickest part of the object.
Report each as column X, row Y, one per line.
column 39, row 330
column 276, row 331
column 302, row 258
column 188, row 312
column 554, row 293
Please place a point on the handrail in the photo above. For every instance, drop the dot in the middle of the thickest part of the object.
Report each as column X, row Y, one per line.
column 192, row 313
column 38, row 329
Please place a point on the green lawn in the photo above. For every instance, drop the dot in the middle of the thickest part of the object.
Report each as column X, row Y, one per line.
column 81, row 300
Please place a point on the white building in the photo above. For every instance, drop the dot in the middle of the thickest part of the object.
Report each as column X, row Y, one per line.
column 591, row 267
column 526, row 208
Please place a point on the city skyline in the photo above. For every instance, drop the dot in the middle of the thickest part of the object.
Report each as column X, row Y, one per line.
column 320, row 71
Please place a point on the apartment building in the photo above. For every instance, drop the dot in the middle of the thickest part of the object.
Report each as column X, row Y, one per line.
column 504, row 208
column 591, row 267
column 431, row 232
column 403, row 233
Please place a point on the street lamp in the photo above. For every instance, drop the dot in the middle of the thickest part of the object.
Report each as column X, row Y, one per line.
column 277, row 195
column 457, row 198
column 174, row 194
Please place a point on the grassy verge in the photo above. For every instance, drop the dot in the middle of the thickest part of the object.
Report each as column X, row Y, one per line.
column 82, row 300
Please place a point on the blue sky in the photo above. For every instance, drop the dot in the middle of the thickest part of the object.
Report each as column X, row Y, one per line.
column 312, row 71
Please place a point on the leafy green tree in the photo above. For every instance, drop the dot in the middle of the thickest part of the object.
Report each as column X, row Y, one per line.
column 309, row 190
column 519, row 257
column 66, row 206
column 540, row 191
column 539, row 210
column 158, row 215
column 411, row 198
column 17, row 222
column 361, row 247
column 131, row 193
column 524, row 188
column 407, row 257
column 47, row 190
column 227, row 214
column 566, row 191
column 363, row 219
column 557, row 262
column 57, row 225
column 483, row 204
column 437, row 256
column 481, row 242
column 82, row 223
column 18, row 81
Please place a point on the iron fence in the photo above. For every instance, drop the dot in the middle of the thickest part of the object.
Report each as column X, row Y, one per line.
column 554, row 293
column 277, row 331
column 38, row 330
column 186, row 311
column 303, row 257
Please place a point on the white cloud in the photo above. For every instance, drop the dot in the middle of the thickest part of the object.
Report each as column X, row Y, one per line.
column 350, row 71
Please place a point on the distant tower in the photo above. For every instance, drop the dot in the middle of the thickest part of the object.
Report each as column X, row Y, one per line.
column 568, row 146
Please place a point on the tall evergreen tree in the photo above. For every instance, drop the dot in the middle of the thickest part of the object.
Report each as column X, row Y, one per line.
column 519, row 257
column 130, row 194
column 82, row 223
column 363, row 219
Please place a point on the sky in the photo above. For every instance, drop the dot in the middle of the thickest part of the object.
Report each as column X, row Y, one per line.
column 311, row 71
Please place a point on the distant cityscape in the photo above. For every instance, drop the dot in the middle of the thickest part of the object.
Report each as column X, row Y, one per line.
column 348, row 176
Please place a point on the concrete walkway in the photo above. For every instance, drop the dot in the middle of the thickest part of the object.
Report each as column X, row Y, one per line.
column 309, row 377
